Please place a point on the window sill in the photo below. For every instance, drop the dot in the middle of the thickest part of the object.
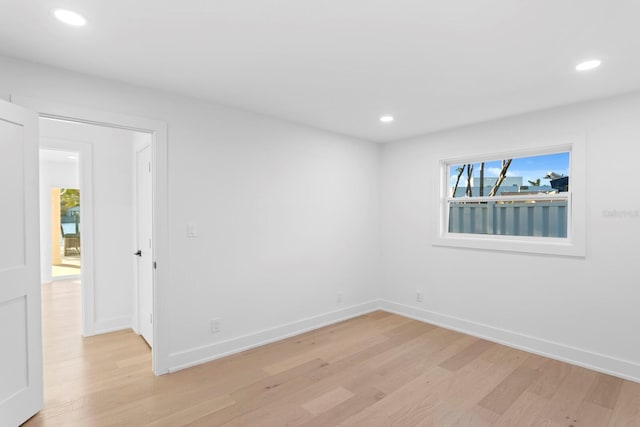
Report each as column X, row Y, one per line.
column 531, row 245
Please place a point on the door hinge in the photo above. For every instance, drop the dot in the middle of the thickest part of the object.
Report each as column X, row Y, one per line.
column 155, row 265
column 150, row 317
column 149, row 166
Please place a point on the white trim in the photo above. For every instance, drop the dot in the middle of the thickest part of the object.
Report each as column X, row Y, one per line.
column 66, row 277
column 112, row 325
column 198, row 355
column 528, row 151
column 575, row 242
column 510, row 198
column 576, row 356
column 553, row 350
column 158, row 129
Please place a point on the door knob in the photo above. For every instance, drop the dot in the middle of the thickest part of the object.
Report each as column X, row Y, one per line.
column 139, row 253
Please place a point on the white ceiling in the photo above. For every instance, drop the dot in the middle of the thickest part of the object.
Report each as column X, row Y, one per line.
column 340, row 64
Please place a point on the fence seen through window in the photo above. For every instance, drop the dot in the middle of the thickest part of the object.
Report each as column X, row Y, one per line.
column 526, row 196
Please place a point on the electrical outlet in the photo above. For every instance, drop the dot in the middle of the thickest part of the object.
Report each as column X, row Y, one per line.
column 419, row 296
column 215, row 326
column 339, row 298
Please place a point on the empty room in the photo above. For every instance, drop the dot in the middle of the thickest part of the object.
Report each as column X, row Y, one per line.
column 319, row 213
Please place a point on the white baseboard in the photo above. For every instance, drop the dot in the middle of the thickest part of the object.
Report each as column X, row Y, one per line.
column 553, row 350
column 575, row 356
column 197, row 355
column 110, row 325
column 67, row 277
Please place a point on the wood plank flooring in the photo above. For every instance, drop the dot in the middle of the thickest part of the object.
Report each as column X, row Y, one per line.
column 375, row 370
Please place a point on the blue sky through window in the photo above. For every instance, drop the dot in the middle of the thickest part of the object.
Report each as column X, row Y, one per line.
column 529, row 168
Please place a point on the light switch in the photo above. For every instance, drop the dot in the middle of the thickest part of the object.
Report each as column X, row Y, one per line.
column 191, row 230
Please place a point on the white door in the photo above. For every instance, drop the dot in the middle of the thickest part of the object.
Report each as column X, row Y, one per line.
column 21, row 394
column 144, row 200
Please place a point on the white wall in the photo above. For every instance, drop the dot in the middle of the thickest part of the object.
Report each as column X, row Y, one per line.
column 113, row 216
column 287, row 215
column 579, row 309
column 52, row 174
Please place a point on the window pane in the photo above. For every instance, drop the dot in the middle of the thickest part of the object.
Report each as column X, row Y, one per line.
column 526, row 175
column 534, row 177
column 533, row 218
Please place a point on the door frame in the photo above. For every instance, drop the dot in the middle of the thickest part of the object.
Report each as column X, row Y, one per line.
column 160, row 233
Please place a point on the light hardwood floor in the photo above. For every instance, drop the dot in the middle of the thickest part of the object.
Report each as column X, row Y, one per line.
column 375, row 370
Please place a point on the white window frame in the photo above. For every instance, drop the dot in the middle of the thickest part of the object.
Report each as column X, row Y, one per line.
column 575, row 242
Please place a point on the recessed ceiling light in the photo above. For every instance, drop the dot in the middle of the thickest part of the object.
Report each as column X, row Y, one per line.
column 386, row 119
column 69, row 17
column 72, row 157
column 588, row 65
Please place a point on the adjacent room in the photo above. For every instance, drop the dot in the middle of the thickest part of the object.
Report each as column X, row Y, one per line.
column 258, row 213
column 60, row 213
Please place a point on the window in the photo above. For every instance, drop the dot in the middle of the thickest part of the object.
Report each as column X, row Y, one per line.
column 528, row 201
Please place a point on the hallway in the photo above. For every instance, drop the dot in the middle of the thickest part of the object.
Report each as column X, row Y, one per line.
column 84, row 376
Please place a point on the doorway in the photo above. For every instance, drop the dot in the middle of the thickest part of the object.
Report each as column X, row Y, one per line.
column 67, row 260
column 21, row 301
column 157, row 132
column 98, row 225
column 60, row 220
